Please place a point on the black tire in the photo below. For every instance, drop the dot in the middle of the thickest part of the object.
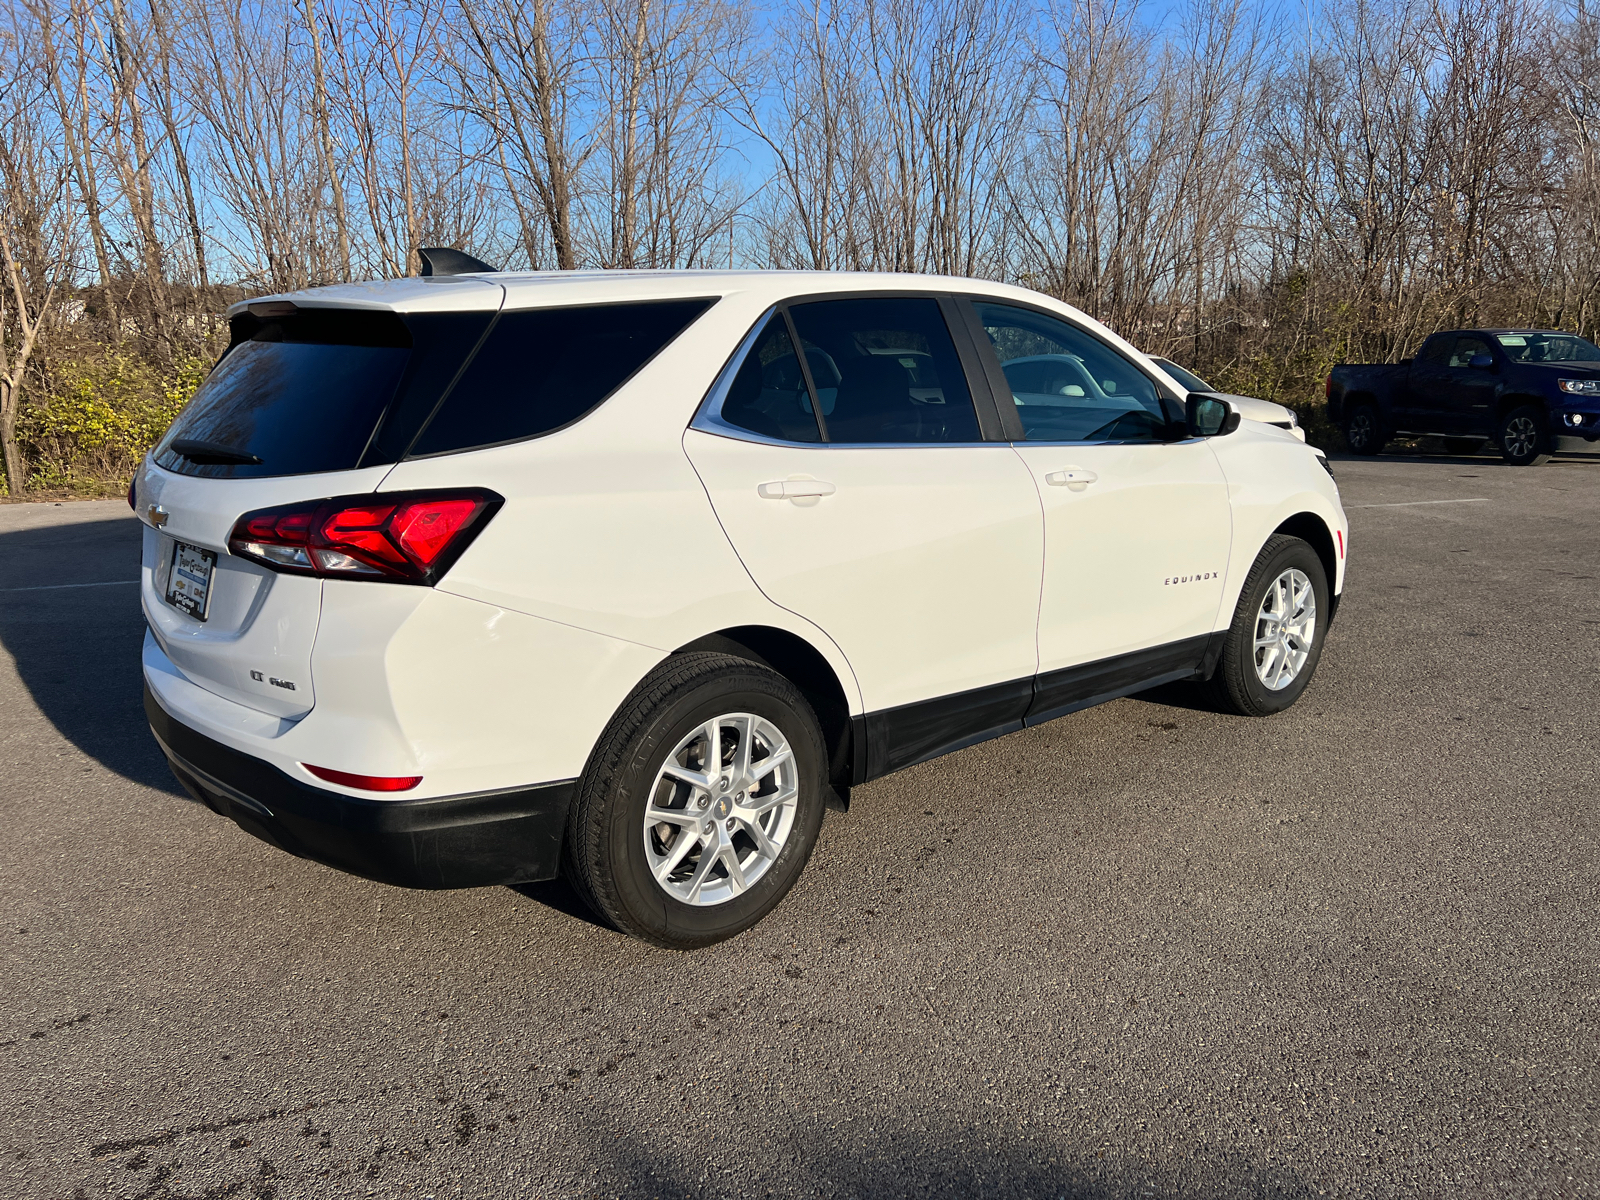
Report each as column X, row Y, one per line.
column 1462, row 445
column 606, row 856
column 1236, row 682
column 1524, row 439
column 1363, row 430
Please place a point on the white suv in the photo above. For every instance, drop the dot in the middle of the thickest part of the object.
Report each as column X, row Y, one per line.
column 479, row 579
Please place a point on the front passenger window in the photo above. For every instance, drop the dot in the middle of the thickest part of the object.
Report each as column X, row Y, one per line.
column 1465, row 348
column 1435, row 350
column 1069, row 386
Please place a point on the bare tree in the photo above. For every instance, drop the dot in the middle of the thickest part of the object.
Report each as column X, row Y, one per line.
column 1220, row 184
column 320, row 117
column 661, row 67
column 521, row 72
column 1574, row 77
column 809, row 119
column 36, row 233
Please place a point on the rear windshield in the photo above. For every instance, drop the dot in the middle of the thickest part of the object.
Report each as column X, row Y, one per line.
column 542, row 369
column 336, row 389
column 293, row 395
column 1189, row 379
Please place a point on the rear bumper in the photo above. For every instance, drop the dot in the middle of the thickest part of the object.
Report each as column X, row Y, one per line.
column 474, row 840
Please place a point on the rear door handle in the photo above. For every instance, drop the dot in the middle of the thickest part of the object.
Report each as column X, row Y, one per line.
column 795, row 489
column 1075, row 478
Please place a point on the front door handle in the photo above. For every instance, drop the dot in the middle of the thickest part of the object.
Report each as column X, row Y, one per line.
column 1075, row 478
column 795, row 489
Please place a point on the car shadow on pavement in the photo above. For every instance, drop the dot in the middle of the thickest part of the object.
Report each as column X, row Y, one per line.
column 886, row 1155
column 1489, row 461
column 77, row 647
column 560, row 895
column 1192, row 694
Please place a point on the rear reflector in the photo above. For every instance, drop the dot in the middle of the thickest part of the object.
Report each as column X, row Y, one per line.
column 401, row 537
column 367, row 783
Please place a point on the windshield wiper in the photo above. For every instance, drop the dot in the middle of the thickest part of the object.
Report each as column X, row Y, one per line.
column 197, row 451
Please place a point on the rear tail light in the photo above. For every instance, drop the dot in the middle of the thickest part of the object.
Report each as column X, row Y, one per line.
column 1327, row 388
column 400, row 537
column 367, row 783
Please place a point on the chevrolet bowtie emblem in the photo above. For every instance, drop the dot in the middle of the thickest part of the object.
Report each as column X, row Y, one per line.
column 158, row 515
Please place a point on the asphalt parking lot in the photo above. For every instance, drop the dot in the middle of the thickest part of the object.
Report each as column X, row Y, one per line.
column 1148, row 950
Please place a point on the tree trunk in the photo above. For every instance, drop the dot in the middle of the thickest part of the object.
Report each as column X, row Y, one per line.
column 319, row 99
column 16, row 469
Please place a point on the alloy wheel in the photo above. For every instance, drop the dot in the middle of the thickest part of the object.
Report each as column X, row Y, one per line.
column 1360, row 432
column 1521, row 437
column 721, row 808
column 1286, row 626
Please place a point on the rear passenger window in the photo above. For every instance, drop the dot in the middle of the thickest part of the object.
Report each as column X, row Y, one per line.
column 885, row 371
column 769, row 394
column 541, row 369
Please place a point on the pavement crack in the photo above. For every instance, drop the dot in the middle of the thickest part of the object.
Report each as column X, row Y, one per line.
column 104, row 1149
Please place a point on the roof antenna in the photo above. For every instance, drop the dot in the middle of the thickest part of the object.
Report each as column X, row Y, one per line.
column 442, row 260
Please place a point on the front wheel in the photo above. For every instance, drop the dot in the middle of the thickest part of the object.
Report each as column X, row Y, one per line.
column 1363, row 432
column 700, row 804
column 1524, row 441
column 1278, row 628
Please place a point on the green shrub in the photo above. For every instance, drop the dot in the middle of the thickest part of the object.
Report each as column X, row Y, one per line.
column 99, row 415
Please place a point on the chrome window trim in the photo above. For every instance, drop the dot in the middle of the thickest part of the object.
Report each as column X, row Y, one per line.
column 1119, row 442
column 735, row 434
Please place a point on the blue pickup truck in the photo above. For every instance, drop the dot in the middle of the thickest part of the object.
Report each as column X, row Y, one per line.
column 1530, row 390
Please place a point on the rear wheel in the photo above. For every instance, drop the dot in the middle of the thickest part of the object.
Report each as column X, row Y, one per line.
column 700, row 804
column 1363, row 432
column 1275, row 641
column 1524, row 440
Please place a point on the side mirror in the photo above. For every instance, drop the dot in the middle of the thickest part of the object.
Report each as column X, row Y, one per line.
column 1209, row 416
column 1481, row 362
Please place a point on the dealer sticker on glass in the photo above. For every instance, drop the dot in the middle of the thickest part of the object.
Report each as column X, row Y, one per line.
column 189, row 581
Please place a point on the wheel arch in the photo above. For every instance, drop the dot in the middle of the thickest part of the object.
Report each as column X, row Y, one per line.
column 1358, row 399
column 803, row 665
column 1512, row 401
column 1311, row 528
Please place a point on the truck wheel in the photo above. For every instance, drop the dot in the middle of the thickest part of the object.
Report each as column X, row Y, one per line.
column 700, row 803
column 1524, row 440
column 1462, row 446
column 1278, row 628
column 1363, row 432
